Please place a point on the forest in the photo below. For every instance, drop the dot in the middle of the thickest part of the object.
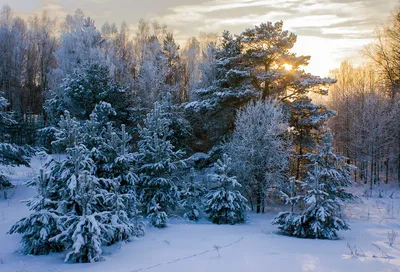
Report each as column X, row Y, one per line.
column 134, row 129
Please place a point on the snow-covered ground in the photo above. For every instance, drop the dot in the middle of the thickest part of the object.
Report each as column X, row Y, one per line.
column 202, row 246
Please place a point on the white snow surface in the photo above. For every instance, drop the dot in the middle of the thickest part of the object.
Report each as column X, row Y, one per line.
column 200, row 247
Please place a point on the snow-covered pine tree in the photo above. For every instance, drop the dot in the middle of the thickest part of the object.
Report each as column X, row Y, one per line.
column 10, row 154
column 211, row 110
column 308, row 122
column 335, row 171
column 158, row 163
column 191, row 196
column 93, row 85
column 84, row 221
column 121, row 172
column 42, row 224
column 111, row 152
column 68, row 132
column 320, row 217
column 124, row 214
column 104, row 112
column 54, row 204
column 291, row 197
column 225, row 204
column 93, row 134
column 86, row 230
column 87, row 90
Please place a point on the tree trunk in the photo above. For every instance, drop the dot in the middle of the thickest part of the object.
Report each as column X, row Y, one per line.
column 387, row 170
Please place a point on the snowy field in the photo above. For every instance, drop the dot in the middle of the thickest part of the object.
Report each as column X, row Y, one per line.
column 254, row 246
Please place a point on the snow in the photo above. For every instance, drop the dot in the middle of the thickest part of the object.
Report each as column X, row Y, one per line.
column 202, row 246
column 199, row 156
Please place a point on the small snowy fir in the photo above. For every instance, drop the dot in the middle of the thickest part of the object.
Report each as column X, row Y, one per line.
column 158, row 164
column 225, row 204
column 192, row 195
column 320, row 218
column 42, row 224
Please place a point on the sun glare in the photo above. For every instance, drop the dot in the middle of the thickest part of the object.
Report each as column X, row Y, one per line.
column 287, row 67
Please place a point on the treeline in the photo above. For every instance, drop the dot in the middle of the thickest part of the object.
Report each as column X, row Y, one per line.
column 38, row 53
column 367, row 100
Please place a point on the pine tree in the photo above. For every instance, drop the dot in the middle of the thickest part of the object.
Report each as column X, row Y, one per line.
column 90, row 90
column 87, row 200
column 86, row 230
column 158, row 163
column 10, row 154
column 320, row 218
column 309, row 125
column 42, row 224
column 191, row 196
column 251, row 66
column 211, row 110
column 225, row 204
column 122, row 173
column 335, row 171
column 56, row 205
column 68, row 132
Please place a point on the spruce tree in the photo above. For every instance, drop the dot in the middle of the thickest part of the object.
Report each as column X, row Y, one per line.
column 225, row 204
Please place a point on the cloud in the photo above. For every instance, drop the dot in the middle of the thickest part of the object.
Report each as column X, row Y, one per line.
column 328, row 30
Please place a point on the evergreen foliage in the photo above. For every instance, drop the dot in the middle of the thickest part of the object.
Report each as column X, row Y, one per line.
column 225, row 204
column 10, row 154
column 191, row 196
column 323, row 197
column 158, row 164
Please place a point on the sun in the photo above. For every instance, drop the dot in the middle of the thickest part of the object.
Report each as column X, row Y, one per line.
column 288, row 67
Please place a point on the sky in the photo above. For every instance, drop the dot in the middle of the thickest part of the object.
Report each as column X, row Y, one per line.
column 330, row 31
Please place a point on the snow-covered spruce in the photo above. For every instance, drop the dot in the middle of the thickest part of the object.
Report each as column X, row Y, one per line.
column 320, row 218
column 191, row 196
column 225, row 204
column 42, row 224
column 158, row 163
